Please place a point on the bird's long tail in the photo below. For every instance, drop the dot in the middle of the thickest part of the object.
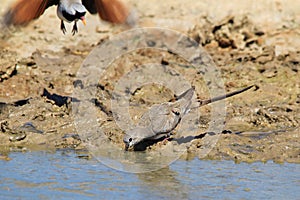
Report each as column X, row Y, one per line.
column 218, row 98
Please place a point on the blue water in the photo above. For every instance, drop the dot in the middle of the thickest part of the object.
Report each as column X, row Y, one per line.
column 62, row 175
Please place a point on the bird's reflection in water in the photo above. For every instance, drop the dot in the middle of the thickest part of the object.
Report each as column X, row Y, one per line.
column 158, row 179
column 129, row 161
column 164, row 182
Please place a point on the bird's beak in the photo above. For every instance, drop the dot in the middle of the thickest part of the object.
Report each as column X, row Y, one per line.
column 83, row 20
column 126, row 146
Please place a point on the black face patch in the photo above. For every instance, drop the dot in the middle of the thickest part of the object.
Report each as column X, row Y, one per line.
column 71, row 17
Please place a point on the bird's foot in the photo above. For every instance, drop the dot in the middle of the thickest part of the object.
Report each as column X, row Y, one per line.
column 166, row 139
column 75, row 29
column 62, row 27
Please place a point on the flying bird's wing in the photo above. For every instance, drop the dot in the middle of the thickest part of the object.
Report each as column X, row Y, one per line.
column 23, row 11
column 109, row 10
column 90, row 5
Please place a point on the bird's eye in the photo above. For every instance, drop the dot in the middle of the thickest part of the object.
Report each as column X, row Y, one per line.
column 130, row 139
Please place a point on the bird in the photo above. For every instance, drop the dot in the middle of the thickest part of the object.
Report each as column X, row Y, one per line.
column 24, row 11
column 161, row 119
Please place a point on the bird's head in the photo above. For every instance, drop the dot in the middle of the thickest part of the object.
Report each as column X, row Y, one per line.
column 75, row 11
column 80, row 12
column 134, row 136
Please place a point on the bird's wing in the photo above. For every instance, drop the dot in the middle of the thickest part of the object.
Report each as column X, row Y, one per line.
column 23, row 11
column 109, row 10
column 90, row 5
column 163, row 120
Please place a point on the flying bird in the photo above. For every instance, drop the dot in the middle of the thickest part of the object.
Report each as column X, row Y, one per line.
column 24, row 11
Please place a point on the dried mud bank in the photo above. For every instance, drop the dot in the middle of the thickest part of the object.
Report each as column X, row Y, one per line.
column 36, row 111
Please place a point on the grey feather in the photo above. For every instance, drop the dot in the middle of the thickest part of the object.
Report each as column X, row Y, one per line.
column 160, row 120
column 163, row 118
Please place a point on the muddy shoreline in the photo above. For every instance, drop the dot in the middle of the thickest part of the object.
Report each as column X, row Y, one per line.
column 246, row 53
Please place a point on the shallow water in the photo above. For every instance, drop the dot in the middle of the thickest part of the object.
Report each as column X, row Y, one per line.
column 44, row 175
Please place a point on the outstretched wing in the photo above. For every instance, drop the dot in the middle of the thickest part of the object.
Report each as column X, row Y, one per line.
column 24, row 11
column 113, row 11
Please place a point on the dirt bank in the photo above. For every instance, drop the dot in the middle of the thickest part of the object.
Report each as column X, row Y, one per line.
column 248, row 46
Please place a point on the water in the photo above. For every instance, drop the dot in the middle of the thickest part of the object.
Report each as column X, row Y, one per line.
column 44, row 175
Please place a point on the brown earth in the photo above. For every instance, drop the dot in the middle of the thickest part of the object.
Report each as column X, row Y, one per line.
column 250, row 44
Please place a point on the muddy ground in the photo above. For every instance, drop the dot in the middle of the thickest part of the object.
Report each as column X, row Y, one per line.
column 250, row 44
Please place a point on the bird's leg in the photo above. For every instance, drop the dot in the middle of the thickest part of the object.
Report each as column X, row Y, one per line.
column 62, row 27
column 75, row 29
column 167, row 138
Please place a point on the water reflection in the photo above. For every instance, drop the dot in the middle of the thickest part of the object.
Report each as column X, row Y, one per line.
column 134, row 162
column 165, row 183
column 44, row 175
